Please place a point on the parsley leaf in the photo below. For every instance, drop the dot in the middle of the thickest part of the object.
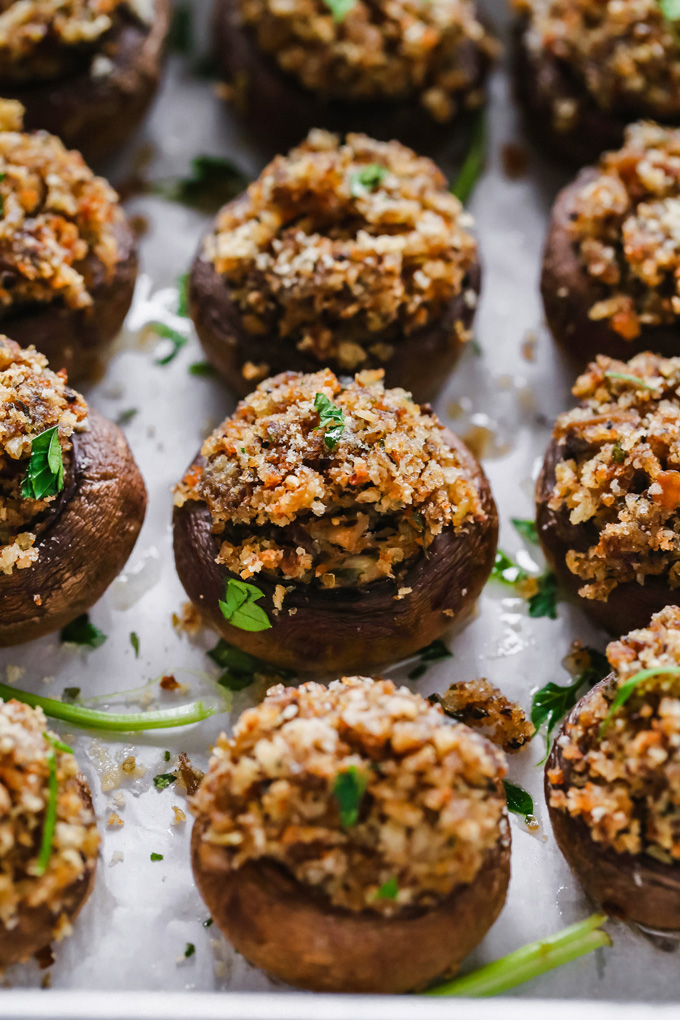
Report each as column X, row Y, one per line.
column 240, row 668
column 626, row 689
column 519, row 801
column 81, row 632
column 332, row 418
column 389, row 890
column 618, row 453
column 178, row 340
column 473, row 166
column 45, row 471
column 156, row 857
column 640, row 384
column 70, row 694
column 339, row 8
column 126, row 416
column 164, row 780
column 183, row 296
column 506, row 571
column 239, row 606
column 367, row 179
column 552, row 702
column 670, row 9
column 544, row 602
column 213, row 182
column 526, row 528
column 433, row 652
column 134, row 641
column 203, row 368
column 208, row 923
column 166, row 756
column 348, row 790
column 190, row 950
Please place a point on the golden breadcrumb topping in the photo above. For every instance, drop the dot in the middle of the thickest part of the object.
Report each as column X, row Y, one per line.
column 32, row 399
column 379, row 49
column 623, row 53
column 626, row 228
column 624, row 783
column 480, row 705
column 284, row 502
column 620, row 473
column 55, row 218
column 342, row 249
column 24, row 798
column 356, row 788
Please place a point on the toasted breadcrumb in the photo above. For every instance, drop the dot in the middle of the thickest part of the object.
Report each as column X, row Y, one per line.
column 339, row 268
column 620, row 473
column 284, row 503
column 431, row 812
column 480, row 705
column 625, row 784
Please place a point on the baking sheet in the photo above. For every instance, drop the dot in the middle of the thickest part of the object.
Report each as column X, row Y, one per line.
column 133, row 933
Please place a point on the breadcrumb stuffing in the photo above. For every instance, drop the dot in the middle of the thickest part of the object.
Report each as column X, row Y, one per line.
column 24, row 795
column 626, row 226
column 619, row 477
column 341, row 268
column 431, row 812
column 625, row 784
column 282, row 502
column 480, row 705
column 625, row 54
column 380, row 49
column 32, row 399
column 55, row 216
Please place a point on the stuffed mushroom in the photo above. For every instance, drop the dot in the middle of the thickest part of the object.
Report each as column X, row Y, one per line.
column 608, row 496
column 612, row 780
column 350, row 839
column 611, row 269
column 72, row 500
column 330, row 523
column 402, row 70
column 68, row 257
column 587, row 68
column 86, row 70
column 48, row 835
column 350, row 256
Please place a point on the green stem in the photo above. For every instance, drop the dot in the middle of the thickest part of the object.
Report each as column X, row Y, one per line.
column 530, row 961
column 50, row 822
column 472, row 168
column 90, row 718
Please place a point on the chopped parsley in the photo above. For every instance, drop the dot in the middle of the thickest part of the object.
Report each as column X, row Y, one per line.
column 190, row 950
column 552, row 702
column 134, row 641
column 543, row 602
column 618, row 453
column 389, row 890
column 348, row 790
column 332, row 418
column 202, row 368
column 212, row 183
column 178, row 341
column 81, row 632
column 239, row 606
column 45, row 472
column 519, row 801
column 473, row 165
column 166, row 756
column 526, row 529
column 434, row 652
column 641, row 384
column 240, row 668
column 339, row 8
column 670, row 9
column 50, row 823
column 70, row 694
column 164, row 780
column 367, row 179
column 626, row 689
column 183, row 296
column 156, row 857
column 208, row 922
column 125, row 417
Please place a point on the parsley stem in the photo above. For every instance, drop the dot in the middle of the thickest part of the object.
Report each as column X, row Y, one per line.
column 472, row 168
column 50, row 823
column 91, row 718
column 530, row 961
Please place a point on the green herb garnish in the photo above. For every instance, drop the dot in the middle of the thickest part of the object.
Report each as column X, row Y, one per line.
column 125, row 417
column 50, row 823
column 332, row 418
column 670, row 9
column 166, row 756
column 45, row 472
column 178, row 340
column 339, row 8
column 348, row 790
column 81, row 632
column 526, row 528
column 389, row 890
column 190, row 950
column 627, row 688
column 530, row 961
column 164, row 780
column 134, row 641
column 618, row 453
column 552, row 702
column 368, row 178
column 519, row 801
column 240, row 668
column 433, row 652
column 239, row 606
column 156, row 857
column 208, row 922
column 181, row 34
column 114, row 722
column 58, row 745
column 183, row 296
column 544, row 601
column 212, row 183
column 203, row 368
column 70, row 694
column 641, row 384
column 506, row 571
column 473, row 166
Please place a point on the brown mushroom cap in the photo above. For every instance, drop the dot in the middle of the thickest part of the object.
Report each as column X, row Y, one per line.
column 281, row 111
column 296, row 936
column 77, row 338
column 569, row 293
column 634, row 887
column 347, row 629
column 421, row 362
column 36, row 925
column 97, row 114
column 630, row 605
column 85, row 541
